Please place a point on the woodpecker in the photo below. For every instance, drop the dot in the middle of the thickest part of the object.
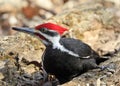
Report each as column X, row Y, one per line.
column 65, row 58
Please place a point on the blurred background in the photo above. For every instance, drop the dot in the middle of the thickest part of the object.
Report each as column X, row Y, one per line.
column 95, row 22
column 33, row 12
column 26, row 12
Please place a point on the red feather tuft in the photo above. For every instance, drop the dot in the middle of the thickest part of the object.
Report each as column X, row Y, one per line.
column 52, row 26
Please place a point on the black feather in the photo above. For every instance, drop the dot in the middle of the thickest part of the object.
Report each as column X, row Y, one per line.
column 65, row 66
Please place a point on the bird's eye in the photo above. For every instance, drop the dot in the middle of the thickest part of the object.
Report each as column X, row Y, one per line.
column 44, row 29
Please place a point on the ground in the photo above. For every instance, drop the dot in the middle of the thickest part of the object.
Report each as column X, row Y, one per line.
column 96, row 23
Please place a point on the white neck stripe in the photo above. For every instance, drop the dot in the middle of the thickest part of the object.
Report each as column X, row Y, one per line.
column 56, row 44
column 63, row 49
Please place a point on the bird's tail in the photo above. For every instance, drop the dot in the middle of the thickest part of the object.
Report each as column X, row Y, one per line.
column 101, row 59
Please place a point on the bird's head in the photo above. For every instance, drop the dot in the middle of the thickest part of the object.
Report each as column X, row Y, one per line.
column 47, row 32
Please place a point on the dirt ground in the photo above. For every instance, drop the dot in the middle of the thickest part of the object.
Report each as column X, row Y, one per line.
column 97, row 23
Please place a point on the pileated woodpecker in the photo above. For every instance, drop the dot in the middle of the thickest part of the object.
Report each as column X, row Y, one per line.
column 65, row 58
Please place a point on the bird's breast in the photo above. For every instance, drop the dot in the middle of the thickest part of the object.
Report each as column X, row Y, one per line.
column 56, row 59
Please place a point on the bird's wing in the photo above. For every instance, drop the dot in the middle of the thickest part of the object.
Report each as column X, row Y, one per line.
column 78, row 47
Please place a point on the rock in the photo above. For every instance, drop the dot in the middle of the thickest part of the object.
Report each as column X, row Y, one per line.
column 1, row 76
column 93, row 22
column 11, row 5
column 2, row 64
column 45, row 4
column 24, row 45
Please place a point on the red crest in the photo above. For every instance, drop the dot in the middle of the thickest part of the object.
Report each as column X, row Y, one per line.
column 52, row 26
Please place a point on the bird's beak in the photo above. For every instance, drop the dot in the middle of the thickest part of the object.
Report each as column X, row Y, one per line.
column 29, row 31
column 25, row 30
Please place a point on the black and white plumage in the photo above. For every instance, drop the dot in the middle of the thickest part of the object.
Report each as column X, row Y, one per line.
column 66, row 66
column 65, row 58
